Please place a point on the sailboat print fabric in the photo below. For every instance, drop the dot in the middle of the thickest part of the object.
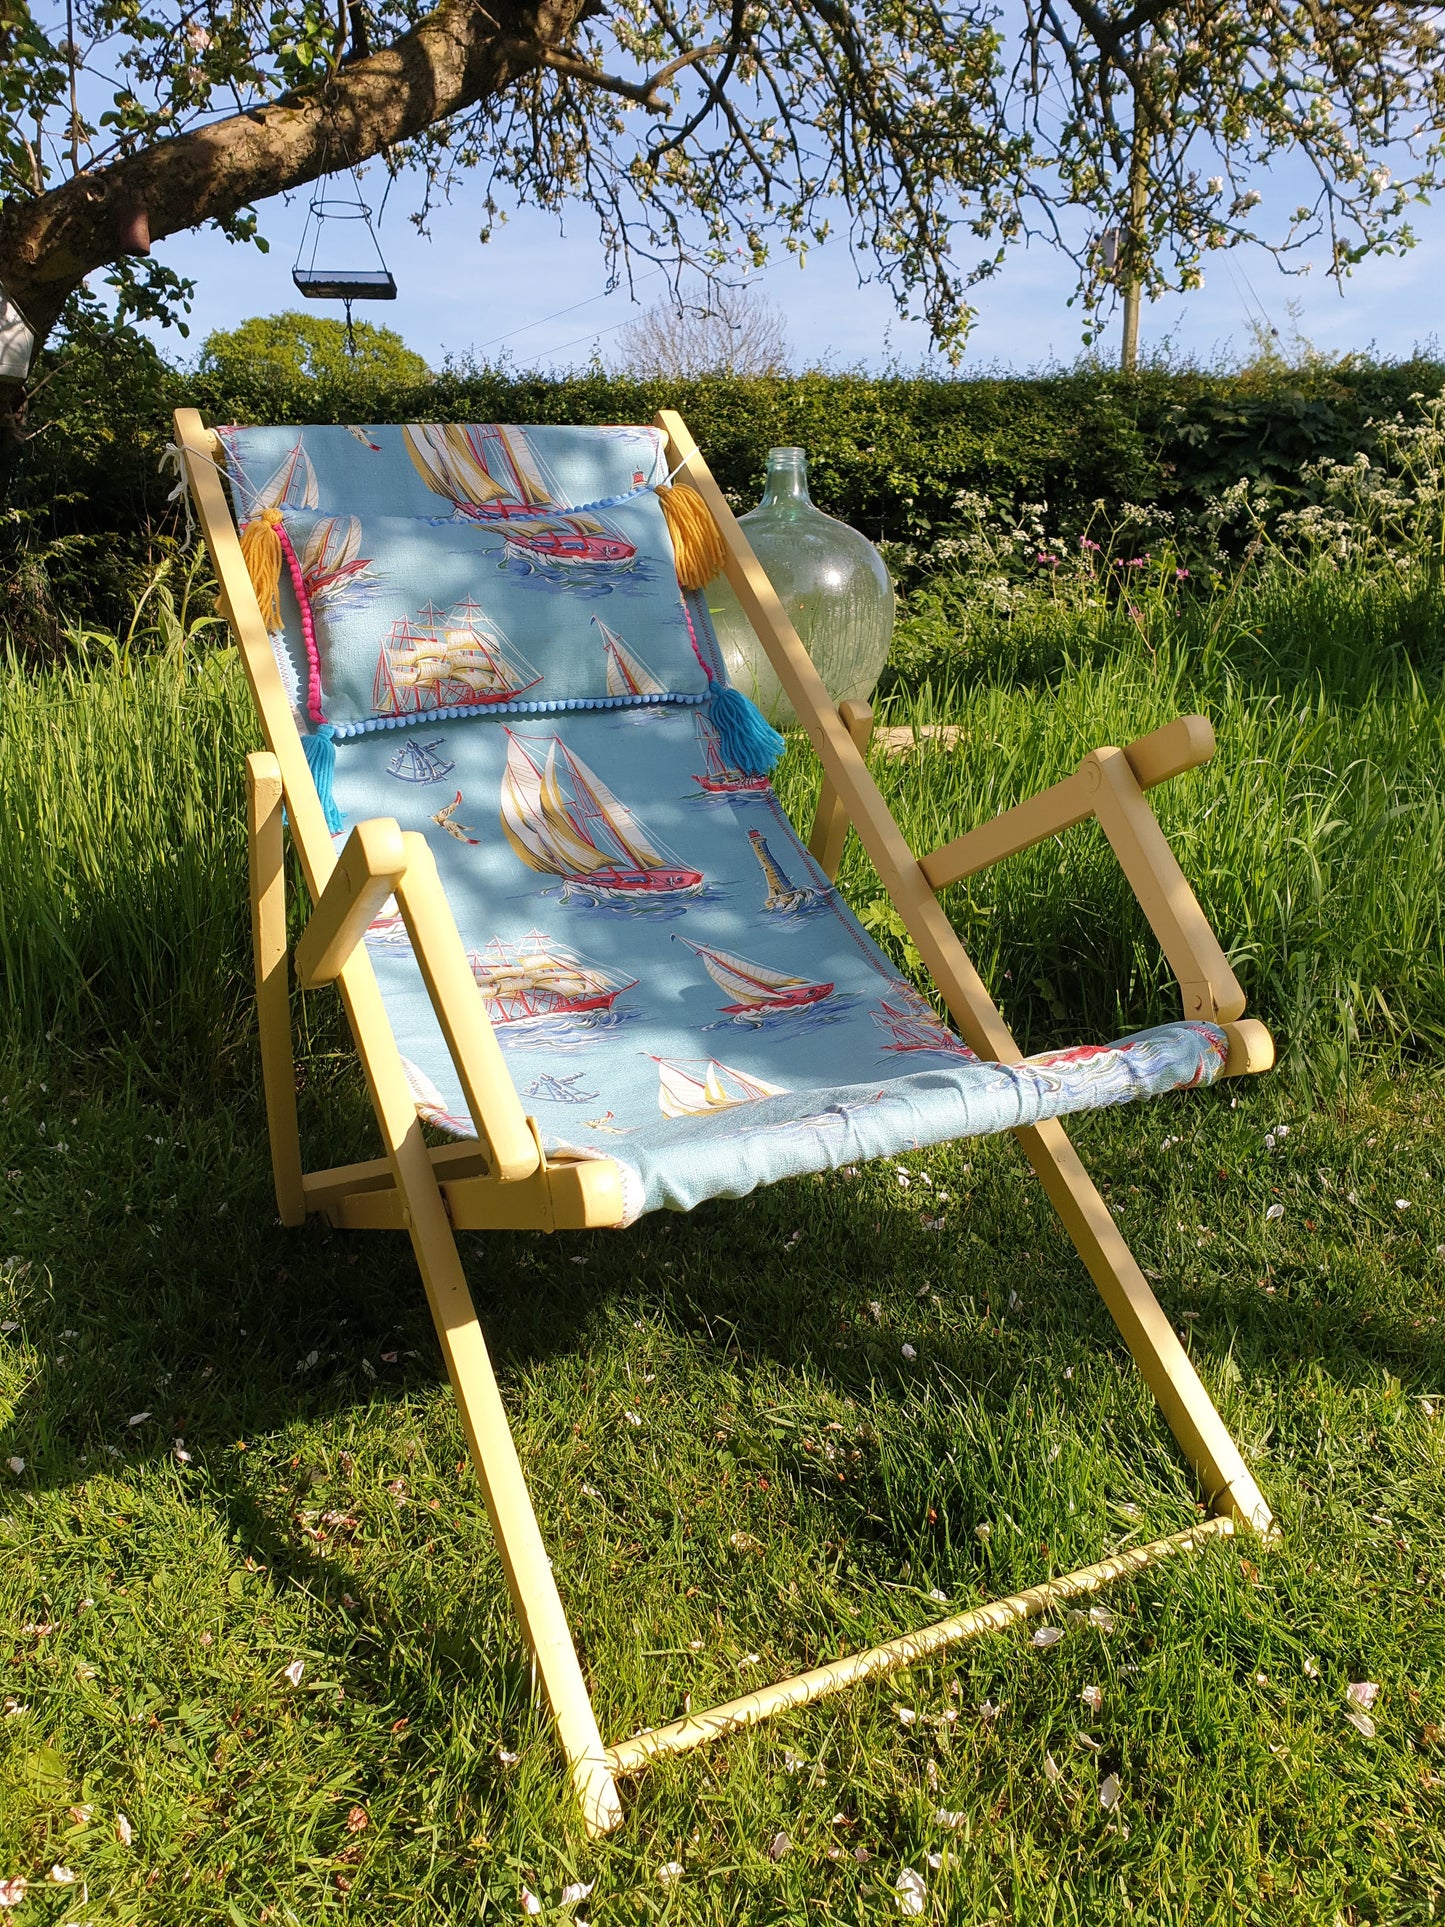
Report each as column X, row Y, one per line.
column 458, row 570
column 674, row 982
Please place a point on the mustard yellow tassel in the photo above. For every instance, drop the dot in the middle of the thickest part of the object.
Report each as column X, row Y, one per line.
column 696, row 542
column 261, row 550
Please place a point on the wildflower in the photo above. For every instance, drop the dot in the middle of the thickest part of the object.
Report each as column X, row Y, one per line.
column 1085, row 543
column 1181, row 575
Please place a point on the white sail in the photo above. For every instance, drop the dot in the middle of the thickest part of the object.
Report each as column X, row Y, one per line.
column 568, row 836
column 682, row 1092
column 627, row 674
column 748, row 982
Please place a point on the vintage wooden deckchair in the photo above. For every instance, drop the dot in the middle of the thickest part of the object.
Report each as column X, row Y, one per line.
column 504, row 1175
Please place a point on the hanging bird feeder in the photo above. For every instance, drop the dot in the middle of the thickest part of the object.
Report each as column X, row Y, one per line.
column 319, row 281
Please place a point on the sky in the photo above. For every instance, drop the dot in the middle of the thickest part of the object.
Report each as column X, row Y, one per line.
column 539, row 296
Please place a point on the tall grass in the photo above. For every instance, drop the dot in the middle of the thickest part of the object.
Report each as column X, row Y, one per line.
column 1315, row 839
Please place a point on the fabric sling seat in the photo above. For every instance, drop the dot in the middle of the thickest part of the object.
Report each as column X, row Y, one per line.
column 577, row 934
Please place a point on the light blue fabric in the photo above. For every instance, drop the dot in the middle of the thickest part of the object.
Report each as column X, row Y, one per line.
column 430, row 598
column 675, row 983
column 638, row 1023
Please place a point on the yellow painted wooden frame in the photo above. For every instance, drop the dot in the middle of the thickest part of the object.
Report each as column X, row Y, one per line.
column 504, row 1180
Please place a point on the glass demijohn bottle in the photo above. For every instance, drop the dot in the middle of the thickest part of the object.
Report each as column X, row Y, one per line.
column 832, row 582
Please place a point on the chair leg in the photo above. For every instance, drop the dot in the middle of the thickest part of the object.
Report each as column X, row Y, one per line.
column 1150, row 1337
column 273, row 998
column 528, row 1570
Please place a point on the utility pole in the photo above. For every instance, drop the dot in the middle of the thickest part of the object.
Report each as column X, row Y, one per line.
column 1133, row 238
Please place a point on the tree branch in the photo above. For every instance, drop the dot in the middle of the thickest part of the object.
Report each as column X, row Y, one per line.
column 644, row 92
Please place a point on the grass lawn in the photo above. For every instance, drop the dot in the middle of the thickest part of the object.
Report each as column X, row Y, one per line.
column 237, row 1453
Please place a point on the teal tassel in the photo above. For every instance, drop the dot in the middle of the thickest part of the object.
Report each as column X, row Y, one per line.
column 747, row 739
column 320, row 748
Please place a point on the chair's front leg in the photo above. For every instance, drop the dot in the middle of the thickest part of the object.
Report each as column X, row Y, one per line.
column 831, row 825
column 267, row 865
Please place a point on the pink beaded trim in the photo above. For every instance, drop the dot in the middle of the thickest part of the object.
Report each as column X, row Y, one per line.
column 308, row 630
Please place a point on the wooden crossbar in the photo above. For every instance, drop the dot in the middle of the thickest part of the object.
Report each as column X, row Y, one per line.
column 696, row 1729
column 503, row 1180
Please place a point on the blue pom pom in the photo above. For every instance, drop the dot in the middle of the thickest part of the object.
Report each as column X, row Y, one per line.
column 747, row 739
column 320, row 751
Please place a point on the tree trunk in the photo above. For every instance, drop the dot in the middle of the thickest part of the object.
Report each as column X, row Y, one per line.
column 460, row 54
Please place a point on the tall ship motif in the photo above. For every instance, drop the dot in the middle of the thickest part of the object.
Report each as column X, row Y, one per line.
column 910, row 1023
column 697, row 1086
column 756, row 988
column 492, row 476
column 562, row 820
column 538, row 977
column 460, row 659
column 719, row 777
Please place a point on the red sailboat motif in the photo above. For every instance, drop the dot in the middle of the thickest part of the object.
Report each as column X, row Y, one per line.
column 720, row 778
column 458, row 660
column 561, row 819
column 540, row 978
column 755, row 986
column 492, row 476
column 697, row 1086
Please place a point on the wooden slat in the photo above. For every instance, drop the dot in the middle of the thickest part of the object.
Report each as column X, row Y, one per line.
column 267, row 865
column 680, row 1736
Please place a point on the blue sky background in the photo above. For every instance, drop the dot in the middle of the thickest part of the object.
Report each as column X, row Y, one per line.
column 458, row 296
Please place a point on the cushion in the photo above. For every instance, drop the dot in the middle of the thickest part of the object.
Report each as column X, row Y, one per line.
column 676, row 984
column 456, row 571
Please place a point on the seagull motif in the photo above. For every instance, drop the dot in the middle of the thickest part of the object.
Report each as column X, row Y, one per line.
column 443, row 820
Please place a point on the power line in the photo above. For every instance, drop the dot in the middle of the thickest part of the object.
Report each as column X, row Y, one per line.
column 527, row 326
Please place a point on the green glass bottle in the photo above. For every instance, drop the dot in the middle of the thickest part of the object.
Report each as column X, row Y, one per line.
column 830, row 579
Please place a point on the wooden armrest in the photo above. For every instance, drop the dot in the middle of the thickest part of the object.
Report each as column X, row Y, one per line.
column 1109, row 785
column 511, row 1144
column 367, row 871
column 1180, row 745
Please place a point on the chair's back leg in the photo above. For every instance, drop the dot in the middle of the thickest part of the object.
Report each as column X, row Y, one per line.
column 831, row 824
column 273, row 999
column 1188, row 1408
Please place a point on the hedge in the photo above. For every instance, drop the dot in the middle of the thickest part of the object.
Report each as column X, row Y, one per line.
column 88, row 512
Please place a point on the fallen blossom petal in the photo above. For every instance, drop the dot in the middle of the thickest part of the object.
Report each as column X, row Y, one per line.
column 577, row 1890
column 1047, row 1636
column 62, row 1876
column 909, row 1353
column 529, row 1902
column 358, row 1820
column 81, row 1815
column 17, row 1466
column 1101, row 1617
column 1362, row 1723
column 906, row 1715
column 1053, row 1772
column 1110, row 1793
column 1402, row 1204
column 1362, row 1693
column 504, row 1758
column 294, row 1671
column 12, row 1892
column 778, row 1846
column 124, row 1832
column 947, row 1817
column 1093, row 1698
column 1311, row 1670
column 1087, row 1740
column 988, row 1711
column 137, row 1418
column 672, row 1870
column 749, row 1659
column 911, row 1893
column 1274, row 1211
